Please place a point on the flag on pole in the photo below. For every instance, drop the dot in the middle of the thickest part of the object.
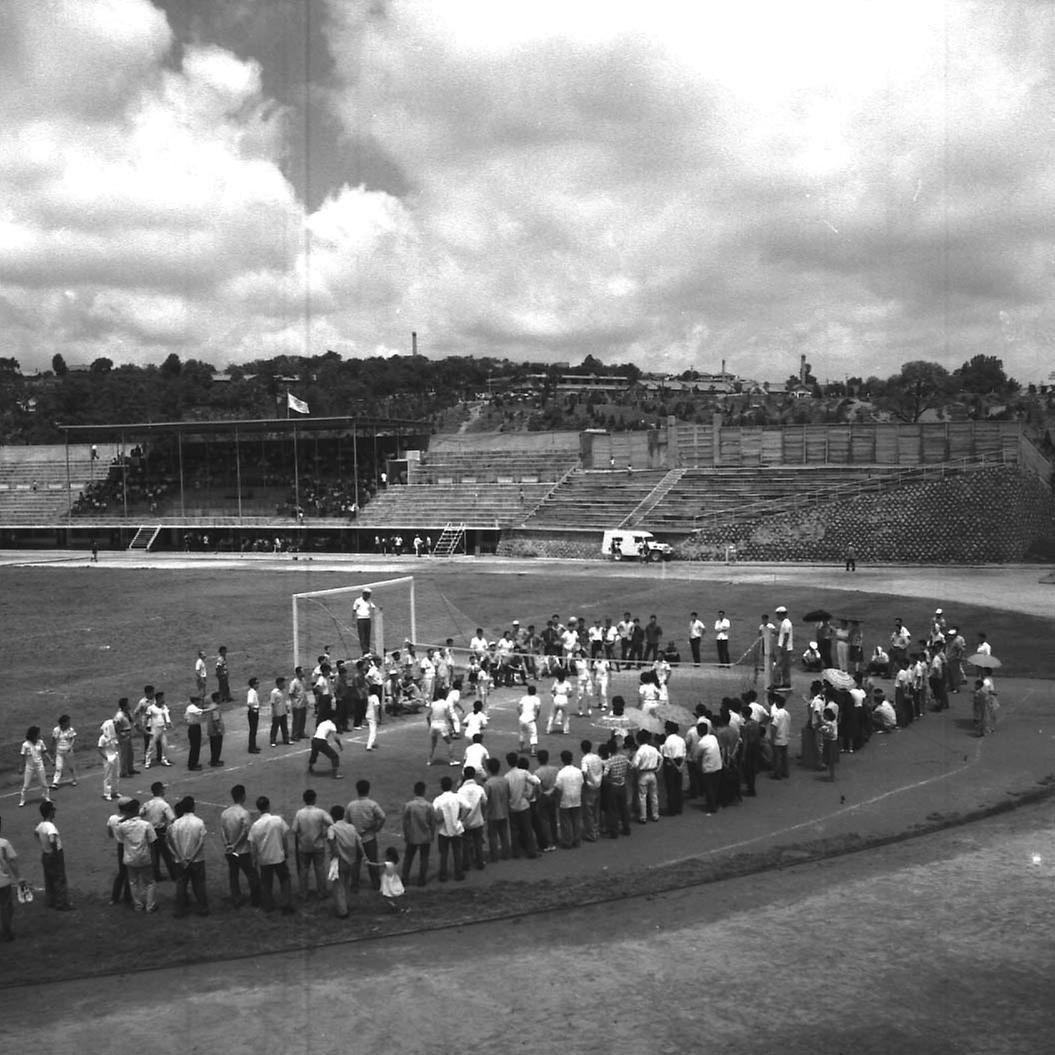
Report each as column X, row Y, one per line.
column 296, row 404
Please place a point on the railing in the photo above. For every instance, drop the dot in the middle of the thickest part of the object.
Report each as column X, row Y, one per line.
column 653, row 498
column 877, row 484
column 1033, row 460
column 549, row 494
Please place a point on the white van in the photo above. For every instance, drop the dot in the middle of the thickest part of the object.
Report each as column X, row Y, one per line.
column 634, row 545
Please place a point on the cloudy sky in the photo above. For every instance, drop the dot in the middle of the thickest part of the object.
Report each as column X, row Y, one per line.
column 670, row 183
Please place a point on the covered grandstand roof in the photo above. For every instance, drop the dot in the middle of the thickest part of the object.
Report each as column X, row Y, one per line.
column 357, row 425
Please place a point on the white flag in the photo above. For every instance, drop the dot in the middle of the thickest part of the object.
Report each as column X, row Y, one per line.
column 296, row 404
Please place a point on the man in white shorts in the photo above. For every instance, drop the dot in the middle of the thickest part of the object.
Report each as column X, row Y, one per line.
column 527, row 714
column 560, row 692
column 438, row 715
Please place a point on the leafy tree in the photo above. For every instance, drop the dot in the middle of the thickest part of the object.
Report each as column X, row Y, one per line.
column 984, row 374
column 101, row 365
column 58, row 366
column 920, row 386
column 171, row 367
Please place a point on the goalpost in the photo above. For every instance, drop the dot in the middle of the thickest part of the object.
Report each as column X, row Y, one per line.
column 324, row 619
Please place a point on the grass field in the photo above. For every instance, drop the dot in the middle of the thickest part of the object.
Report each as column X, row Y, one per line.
column 76, row 638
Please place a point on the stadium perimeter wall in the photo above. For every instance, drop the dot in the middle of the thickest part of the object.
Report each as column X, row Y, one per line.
column 990, row 516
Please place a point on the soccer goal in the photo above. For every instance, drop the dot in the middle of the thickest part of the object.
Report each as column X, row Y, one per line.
column 324, row 620
column 411, row 610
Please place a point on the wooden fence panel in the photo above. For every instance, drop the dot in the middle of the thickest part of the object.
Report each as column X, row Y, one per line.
column 839, row 444
column 886, row 448
column 773, row 447
column 816, row 441
column 961, row 440
column 908, row 444
column 750, row 446
column 794, row 445
column 933, row 444
column 863, row 444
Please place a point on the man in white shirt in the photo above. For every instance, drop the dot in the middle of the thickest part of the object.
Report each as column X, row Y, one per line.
column 158, row 721
column 186, row 839
column 646, row 763
column 721, row 638
column 527, row 716
column 267, row 839
column 478, row 644
column 568, row 791
column 438, row 717
column 157, row 812
column 364, row 609
column 625, row 628
column 449, row 810
column 298, row 703
column 708, row 759
column 193, row 716
column 592, row 771
column 326, row 741
column 673, row 750
column 779, row 736
column 252, row 705
column 785, row 648
column 200, row 673
column 310, row 825
column 476, row 755
column 474, row 799
column 235, row 823
column 696, row 629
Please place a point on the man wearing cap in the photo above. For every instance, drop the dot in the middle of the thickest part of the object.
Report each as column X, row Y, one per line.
column 785, row 647
column 364, row 610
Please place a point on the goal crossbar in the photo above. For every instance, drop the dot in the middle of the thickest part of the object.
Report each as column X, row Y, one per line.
column 309, row 595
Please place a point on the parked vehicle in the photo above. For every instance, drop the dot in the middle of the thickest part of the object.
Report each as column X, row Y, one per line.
column 634, row 544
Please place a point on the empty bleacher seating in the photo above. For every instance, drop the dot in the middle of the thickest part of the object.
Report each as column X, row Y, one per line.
column 482, row 505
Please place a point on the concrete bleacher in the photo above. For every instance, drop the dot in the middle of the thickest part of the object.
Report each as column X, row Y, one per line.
column 700, row 492
column 596, row 499
column 37, row 486
column 527, row 466
column 482, row 505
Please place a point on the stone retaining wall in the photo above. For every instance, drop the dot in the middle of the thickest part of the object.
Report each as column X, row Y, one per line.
column 982, row 517
column 988, row 516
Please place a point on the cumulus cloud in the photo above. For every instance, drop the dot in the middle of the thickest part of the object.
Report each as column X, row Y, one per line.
column 677, row 185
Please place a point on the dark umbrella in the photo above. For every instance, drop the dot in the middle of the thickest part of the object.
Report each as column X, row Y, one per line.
column 818, row 615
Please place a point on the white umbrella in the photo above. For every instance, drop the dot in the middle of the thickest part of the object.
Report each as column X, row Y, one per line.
column 838, row 678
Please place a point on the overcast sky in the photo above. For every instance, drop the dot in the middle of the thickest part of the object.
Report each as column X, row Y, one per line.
column 668, row 183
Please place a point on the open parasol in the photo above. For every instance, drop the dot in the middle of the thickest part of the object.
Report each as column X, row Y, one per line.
column 980, row 659
column 818, row 615
column 612, row 721
column 672, row 712
column 637, row 719
column 838, row 678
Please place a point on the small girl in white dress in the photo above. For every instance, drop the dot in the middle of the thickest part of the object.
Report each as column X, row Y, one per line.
column 392, row 889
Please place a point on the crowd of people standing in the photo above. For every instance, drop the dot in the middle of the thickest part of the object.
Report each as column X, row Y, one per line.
column 522, row 805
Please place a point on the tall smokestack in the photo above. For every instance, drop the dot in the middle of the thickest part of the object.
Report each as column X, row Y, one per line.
column 414, row 342
column 723, row 368
column 802, row 368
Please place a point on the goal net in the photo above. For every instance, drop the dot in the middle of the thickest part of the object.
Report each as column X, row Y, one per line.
column 324, row 621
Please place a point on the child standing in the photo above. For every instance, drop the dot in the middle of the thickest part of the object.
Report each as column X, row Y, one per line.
column 392, row 889
column 829, row 729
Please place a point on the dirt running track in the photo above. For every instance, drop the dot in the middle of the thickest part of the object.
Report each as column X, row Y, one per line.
column 934, row 945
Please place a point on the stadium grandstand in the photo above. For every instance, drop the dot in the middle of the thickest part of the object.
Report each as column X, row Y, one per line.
column 934, row 492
